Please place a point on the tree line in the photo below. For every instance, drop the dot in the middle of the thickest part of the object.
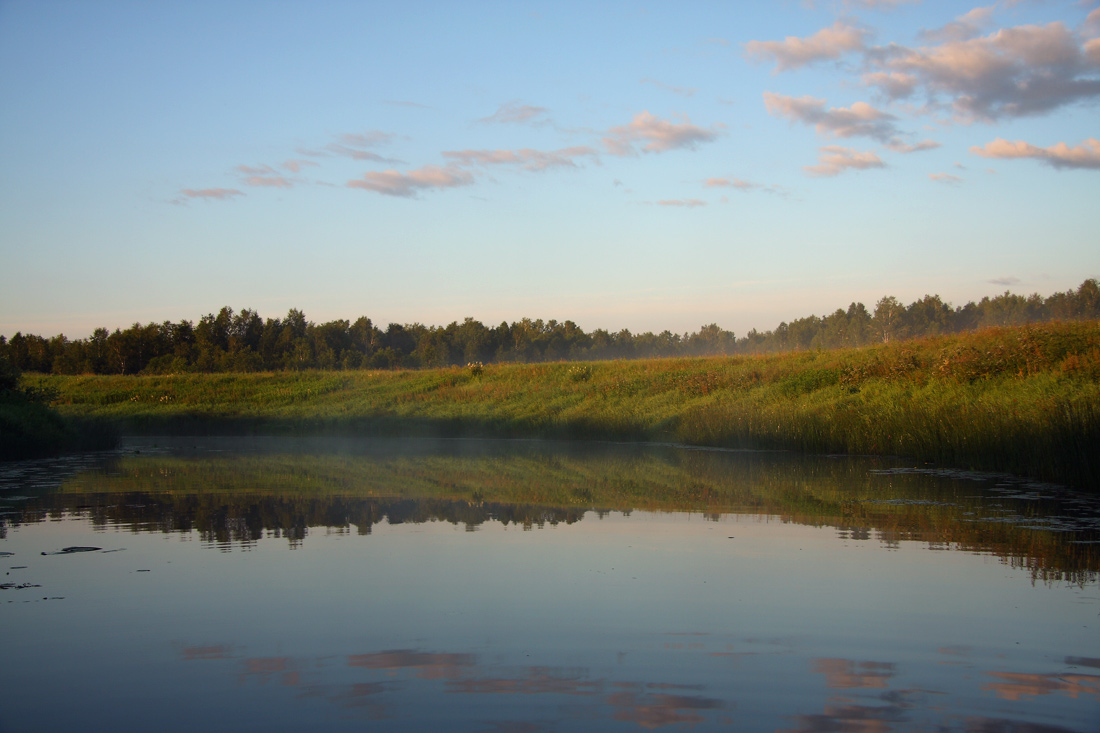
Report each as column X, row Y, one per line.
column 243, row 341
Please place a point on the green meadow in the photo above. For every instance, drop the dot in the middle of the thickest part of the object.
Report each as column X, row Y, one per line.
column 1022, row 400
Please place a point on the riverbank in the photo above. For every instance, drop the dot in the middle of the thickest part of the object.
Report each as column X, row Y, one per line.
column 1021, row 400
column 30, row 429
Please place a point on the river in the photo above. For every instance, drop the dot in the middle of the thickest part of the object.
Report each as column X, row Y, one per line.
column 338, row 584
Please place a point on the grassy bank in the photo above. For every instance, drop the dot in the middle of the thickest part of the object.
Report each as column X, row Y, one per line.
column 1022, row 400
column 30, row 429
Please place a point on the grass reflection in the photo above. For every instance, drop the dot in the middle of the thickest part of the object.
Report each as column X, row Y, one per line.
column 283, row 488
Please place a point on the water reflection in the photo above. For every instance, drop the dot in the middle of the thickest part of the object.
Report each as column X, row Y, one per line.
column 235, row 492
column 845, row 674
column 1015, row 686
column 395, row 679
column 497, row 586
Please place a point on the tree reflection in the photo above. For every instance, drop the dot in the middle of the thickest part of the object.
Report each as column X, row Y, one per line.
column 236, row 498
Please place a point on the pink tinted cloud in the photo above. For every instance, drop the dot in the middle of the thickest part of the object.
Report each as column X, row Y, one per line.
column 1092, row 50
column 945, row 178
column 964, row 27
column 408, row 185
column 684, row 203
column 879, row 4
column 369, row 139
column 255, row 170
column 295, row 166
column 269, row 181
column 355, row 145
column 526, row 158
column 682, row 91
column 263, row 175
column 356, row 154
column 1015, row 72
column 793, row 52
column 215, row 194
column 861, row 119
column 833, row 160
column 516, row 113
column 900, row 147
column 744, row 186
column 736, row 183
column 1091, row 26
column 894, row 84
column 1086, row 155
column 656, row 135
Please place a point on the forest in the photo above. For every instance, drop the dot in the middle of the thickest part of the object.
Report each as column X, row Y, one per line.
column 232, row 341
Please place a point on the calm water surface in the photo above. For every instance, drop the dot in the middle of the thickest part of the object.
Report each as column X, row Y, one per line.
column 264, row 584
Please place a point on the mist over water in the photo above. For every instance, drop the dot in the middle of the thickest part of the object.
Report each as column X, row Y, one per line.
column 482, row 585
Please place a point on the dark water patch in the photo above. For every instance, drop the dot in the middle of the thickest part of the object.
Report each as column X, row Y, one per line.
column 73, row 550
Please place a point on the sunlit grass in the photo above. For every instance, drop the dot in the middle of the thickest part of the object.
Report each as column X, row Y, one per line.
column 1024, row 400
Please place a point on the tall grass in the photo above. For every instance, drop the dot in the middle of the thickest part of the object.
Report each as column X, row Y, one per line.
column 1024, row 400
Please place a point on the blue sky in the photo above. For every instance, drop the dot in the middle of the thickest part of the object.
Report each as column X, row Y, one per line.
column 642, row 165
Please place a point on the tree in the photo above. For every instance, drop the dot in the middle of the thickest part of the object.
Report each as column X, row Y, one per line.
column 929, row 316
column 889, row 319
column 9, row 374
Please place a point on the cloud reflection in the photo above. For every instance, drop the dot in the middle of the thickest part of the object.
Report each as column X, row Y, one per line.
column 370, row 685
column 429, row 666
column 216, row 651
column 535, row 681
column 654, row 711
column 845, row 674
column 1015, row 686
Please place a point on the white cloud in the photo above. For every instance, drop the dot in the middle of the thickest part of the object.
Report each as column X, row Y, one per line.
column 407, row 185
column 833, row 160
column 657, row 135
column 1059, row 155
column 793, row 52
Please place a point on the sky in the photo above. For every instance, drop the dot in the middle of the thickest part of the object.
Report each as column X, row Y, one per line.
column 641, row 165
